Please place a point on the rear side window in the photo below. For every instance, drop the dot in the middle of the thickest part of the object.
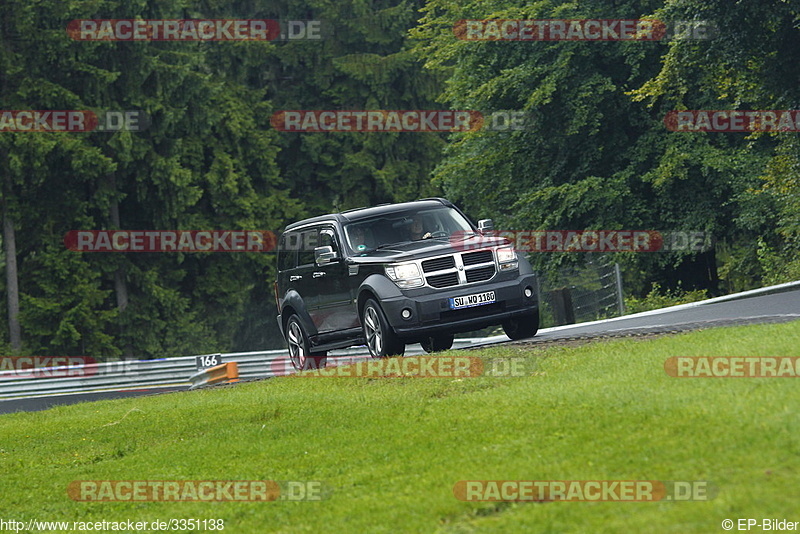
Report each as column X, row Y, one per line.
column 287, row 251
column 308, row 241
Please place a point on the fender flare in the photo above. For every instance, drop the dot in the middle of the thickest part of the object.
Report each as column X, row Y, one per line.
column 293, row 300
column 524, row 265
column 379, row 286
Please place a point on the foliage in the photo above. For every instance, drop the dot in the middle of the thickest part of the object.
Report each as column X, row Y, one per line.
column 658, row 298
column 595, row 154
column 598, row 154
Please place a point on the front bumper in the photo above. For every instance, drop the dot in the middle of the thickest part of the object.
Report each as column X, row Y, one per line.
column 431, row 311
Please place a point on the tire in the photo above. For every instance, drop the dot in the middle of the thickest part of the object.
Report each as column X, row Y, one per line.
column 299, row 347
column 437, row 343
column 381, row 340
column 522, row 327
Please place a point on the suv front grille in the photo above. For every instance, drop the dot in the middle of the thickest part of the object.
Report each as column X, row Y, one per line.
column 480, row 274
column 444, row 271
column 438, row 264
column 474, row 258
column 443, row 280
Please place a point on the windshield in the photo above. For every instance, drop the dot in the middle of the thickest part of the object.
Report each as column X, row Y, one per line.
column 404, row 226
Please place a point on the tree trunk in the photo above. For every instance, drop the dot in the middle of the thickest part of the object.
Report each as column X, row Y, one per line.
column 12, row 287
column 9, row 239
column 120, row 287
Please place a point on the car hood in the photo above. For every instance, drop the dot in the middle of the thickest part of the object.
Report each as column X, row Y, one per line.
column 429, row 247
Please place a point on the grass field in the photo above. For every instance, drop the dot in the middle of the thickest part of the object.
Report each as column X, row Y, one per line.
column 390, row 451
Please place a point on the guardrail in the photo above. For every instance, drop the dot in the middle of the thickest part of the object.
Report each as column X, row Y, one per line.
column 164, row 372
column 175, row 372
column 222, row 373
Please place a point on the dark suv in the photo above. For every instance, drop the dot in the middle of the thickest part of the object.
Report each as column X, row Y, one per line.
column 416, row 272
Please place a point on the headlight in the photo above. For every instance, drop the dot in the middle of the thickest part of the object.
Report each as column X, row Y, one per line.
column 506, row 254
column 405, row 275
column 507, row 258
column 403, row 271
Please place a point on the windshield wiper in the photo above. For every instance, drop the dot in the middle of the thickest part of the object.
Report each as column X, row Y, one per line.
column 467, row 234
column 388, row 245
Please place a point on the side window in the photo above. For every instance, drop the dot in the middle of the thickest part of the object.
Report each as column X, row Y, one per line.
column 308, row 241
column 287, row 251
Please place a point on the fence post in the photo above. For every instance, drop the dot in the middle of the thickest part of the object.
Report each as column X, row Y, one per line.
column 563, row 311
column 620, row 298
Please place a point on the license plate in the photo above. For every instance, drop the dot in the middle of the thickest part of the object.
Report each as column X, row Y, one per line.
column 478, row 299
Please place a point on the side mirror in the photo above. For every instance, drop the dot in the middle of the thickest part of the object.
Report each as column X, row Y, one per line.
column 485, row 226
column 324, row 255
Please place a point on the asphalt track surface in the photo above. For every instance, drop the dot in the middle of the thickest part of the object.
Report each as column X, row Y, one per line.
column 776, row 307
column 35, row 404
column 771, row 308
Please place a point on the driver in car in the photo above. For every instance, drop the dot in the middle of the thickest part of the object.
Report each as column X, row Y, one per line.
column 417, row 229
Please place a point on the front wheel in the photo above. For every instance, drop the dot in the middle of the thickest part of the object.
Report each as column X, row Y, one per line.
column 299, row 348
column 522, row 327
column 381, row 339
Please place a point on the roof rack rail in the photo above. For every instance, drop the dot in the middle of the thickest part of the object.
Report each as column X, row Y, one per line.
column 353, row 209
column 440, row 199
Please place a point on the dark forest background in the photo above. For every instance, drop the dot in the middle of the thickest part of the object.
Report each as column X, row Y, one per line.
column 598, row 155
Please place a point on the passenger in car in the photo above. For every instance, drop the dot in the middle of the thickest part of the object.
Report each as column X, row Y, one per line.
column 359, row 239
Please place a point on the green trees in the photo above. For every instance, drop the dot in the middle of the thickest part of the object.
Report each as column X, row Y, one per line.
column 596, row 154
column 363, row 63
column 599, row 155
column 753, row 65
column 44, row 176
column 206, row 162
column 209, row 160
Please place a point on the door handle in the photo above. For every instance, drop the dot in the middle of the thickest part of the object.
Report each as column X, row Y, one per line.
column 318, row 274
column 295, row 278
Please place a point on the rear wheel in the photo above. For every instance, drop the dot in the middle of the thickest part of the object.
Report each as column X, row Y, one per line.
column 437, row 343
column 299, row 347
column 522, row 327
column 381, row 339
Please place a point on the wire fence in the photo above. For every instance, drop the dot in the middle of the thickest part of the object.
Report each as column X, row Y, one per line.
column 577, row 295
